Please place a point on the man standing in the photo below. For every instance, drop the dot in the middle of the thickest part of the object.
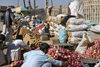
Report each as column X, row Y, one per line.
column 8, row 22
column 7, row 26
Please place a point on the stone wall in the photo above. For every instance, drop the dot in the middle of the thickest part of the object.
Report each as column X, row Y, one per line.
column 40, row 12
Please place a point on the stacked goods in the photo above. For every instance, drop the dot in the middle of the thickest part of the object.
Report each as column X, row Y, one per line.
column 17, row 63
column 24, row 31
column 63, row 54
column 59, row 18
column 93, row 52
column 54, row 23
column 76, row 28
column 31, row 40
column 55, row 28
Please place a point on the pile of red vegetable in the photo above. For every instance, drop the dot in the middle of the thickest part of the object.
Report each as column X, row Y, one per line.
column 63, row 54
column 17, row 63
column 93, row 52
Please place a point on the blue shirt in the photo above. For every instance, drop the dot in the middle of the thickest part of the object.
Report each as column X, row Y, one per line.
column 37, row 58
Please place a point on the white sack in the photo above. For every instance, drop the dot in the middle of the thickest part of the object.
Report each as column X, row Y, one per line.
column 83, row 44
column 15, row 54
column 76, row 27
column 97, row 65
column 76, row 34
column 76, row 8
column 74, row 40
column 75, row 21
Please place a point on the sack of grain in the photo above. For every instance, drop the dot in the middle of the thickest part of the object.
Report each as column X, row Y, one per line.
column 76, row 27
column 74, row 40
column 76, row 34
column 59, row 18
column 75, row 21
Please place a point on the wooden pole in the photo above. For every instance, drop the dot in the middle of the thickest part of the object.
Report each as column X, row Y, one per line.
column 29, row 4
column 34, row 5
column 24, row 3
column 60, row 9
column 51, row 3
column 46, row 4
column 46, row 8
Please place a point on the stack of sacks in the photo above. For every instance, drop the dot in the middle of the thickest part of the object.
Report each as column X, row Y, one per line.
column 54, row 23
column 59, row 18
column 55, row 28
column 31, row 40
column 76, row 28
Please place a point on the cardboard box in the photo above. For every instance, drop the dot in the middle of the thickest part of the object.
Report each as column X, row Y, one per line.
column 54, row 40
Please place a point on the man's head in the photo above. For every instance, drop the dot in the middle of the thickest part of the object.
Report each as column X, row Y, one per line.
column 8, row 9
column 19, row 37
column 44, row 47
column 2, row 38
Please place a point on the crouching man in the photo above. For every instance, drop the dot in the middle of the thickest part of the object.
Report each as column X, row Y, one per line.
column 38, row 58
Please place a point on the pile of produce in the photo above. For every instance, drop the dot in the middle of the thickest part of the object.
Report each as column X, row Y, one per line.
column 23, row 31
column 17, row 63
column 63, row 54
column 31, row 40
column 93, row 52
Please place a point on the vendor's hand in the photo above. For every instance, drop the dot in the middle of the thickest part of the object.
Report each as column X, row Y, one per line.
column 29, row 49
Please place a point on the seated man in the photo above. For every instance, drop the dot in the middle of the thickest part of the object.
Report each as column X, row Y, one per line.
column 38, row 58
column 2, row 57
column 14, row 50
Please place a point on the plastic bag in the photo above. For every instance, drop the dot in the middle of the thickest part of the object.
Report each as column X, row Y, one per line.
column 97, row 65
column 62, row 36
column 15, row 54
column 95, row 29
column 83, row 45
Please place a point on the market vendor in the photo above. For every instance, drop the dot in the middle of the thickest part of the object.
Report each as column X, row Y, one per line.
column 2, row 58
column 38, row 58
column 14, row 50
